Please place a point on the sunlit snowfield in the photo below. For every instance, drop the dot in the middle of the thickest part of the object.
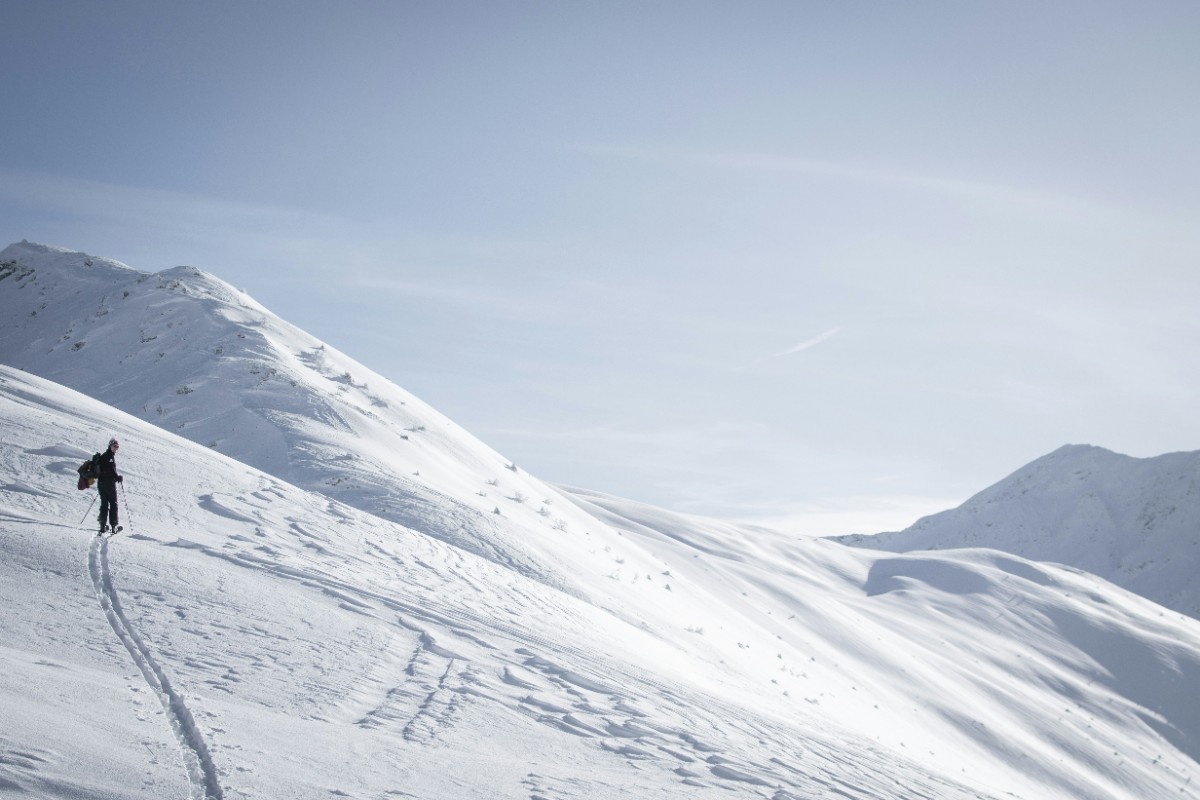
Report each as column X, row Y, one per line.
column 325, row 588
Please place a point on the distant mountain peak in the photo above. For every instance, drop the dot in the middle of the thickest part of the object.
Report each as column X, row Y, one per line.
column 1132, row 521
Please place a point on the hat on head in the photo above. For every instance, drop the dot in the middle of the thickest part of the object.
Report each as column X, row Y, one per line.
column 113, row 443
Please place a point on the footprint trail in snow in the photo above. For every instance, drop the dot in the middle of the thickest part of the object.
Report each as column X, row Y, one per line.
column 202, row 773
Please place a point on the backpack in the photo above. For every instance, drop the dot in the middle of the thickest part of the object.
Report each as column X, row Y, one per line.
column 87, row 473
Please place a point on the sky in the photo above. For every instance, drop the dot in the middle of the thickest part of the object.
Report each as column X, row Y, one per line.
column 794, row 261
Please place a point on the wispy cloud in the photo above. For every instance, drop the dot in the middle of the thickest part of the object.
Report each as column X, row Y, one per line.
column 199, row 229
column 807, row 344
column 1030, row 198
column 212, row 230
column 157, row 208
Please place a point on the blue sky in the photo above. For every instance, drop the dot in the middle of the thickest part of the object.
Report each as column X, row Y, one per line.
column 746, row 259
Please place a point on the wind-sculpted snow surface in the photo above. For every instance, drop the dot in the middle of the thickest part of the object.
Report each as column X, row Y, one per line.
column 274, row 642
column 1133, row 521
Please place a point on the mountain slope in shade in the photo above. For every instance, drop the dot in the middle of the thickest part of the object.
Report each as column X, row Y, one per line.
column 1133, row 521
column 247, row 638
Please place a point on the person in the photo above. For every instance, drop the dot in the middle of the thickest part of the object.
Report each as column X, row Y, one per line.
column 107, row 479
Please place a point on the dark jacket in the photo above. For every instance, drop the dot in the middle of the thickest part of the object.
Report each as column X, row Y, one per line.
column 106, row 467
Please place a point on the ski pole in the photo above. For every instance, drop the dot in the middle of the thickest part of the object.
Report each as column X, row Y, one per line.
column 125, row 502
column 85, row 514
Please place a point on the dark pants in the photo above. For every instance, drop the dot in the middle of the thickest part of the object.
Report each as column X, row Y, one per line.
column 108, row 502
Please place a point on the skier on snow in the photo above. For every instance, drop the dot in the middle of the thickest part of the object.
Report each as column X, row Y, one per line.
column 107, row 479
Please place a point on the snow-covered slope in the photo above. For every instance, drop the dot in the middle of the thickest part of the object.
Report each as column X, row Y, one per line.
column 313, row 618
column 186, row 351
column 246, row 638
column 1134, row 521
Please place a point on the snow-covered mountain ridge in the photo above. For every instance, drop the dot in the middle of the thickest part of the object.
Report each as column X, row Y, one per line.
column 328, row 603
column 186, row 351
column 1133, row 521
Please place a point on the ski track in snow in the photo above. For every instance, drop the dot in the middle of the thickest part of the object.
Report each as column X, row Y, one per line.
column 202, row 773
